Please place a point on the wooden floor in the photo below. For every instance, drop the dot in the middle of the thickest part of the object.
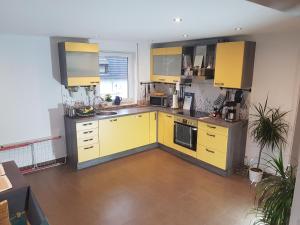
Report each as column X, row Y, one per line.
column 149, row 188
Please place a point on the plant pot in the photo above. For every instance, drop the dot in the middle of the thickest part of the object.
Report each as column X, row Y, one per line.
column 255, row 175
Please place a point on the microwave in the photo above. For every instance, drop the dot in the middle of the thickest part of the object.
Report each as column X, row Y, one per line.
column 158, row 101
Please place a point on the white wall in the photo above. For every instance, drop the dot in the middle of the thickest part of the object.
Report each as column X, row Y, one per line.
column 30, row 96
column 295, row 216
column 276, row 74
column 30, row 90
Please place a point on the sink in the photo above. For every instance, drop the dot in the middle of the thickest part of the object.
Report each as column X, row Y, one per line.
column 106, row 113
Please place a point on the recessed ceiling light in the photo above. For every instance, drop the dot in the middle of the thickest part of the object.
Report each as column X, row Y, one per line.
column 177, row 20
column 185, row 35
column 238, row 28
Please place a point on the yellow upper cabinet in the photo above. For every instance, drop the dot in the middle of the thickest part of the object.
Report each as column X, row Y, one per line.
column 234, row 64
column 165, row 64
column 79, row 63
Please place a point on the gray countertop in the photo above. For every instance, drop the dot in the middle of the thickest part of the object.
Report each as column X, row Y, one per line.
column 143, row 109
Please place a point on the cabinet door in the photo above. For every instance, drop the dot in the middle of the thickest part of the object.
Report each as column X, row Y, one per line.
column 152, row 127
column 88, row 152
column 161, row 125
column 109, row 134
column 169, row 130
column 140, row 130
column 229, row 64
column 212, row 156
column 166, row 64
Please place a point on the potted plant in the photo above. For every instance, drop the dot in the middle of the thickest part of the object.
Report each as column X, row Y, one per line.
column 269, row 130
column 274, row 194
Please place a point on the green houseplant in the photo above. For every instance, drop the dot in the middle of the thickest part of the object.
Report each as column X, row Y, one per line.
column 268, row 130
column 274, row 194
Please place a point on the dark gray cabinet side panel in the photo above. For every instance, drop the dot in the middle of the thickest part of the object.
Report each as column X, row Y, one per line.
column 62, row 63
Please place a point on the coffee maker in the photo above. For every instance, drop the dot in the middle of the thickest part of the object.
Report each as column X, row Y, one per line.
column 231, row 111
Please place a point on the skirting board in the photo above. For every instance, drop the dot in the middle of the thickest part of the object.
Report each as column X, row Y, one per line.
column 104, row 159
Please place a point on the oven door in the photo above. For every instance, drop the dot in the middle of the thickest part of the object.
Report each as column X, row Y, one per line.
column 185, row 135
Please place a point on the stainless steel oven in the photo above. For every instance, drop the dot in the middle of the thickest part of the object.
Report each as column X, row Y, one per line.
column 185, row 132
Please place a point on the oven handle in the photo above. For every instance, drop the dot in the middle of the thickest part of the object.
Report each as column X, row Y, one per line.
column 193, row 127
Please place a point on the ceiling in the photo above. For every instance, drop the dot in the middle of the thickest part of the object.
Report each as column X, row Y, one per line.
column 141, row 19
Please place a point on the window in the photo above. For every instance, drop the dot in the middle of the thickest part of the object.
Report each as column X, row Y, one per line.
column 115, row 73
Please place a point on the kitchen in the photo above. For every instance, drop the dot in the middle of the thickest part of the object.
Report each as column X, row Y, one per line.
column 193, row 114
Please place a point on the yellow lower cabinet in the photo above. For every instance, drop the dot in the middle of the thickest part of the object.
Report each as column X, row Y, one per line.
column 138, row 130
column 169, row 130
column 109, row 136
column 212, row 140
column 212, row 156
column 123, row 133
column 88, row 152
column 161, row 124
column 152, row 127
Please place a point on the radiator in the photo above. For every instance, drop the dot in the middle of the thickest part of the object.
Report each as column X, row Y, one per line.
column 35, row 153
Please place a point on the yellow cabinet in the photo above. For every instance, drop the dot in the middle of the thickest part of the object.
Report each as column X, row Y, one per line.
column 138, row 130
column 160, row 124
column 152, row 127
column 123, row 133
column 165, row 64
column 88, row 152
column 169, row 130
column 79, row 63
column 110, row 136
column 212, row 144
column 166, row 129
column 212, row 156
column 234, row 64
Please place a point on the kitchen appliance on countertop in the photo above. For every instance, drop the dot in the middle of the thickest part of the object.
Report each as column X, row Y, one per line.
column 159, row 100
column 231, row 111
column 185, row 132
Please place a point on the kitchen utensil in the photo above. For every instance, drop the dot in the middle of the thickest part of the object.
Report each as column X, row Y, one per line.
column 117, row 100
column 175, row 101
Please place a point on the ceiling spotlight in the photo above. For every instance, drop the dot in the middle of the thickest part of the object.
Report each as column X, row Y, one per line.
column 238, row 28
column 185, row 35
column 177, row 20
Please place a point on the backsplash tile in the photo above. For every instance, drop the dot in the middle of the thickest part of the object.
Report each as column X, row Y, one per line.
column 205, row 95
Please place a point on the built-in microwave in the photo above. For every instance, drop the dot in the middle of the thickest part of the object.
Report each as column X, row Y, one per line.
column 158, row 101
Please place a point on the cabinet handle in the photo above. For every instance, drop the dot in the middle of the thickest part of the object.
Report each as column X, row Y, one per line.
column 87, row 132
column 139, row 115
column 175, row 81
column 221, row 84
column 161, row 79
column 88, row 147
column 155, row 116
column 212, row 127
column 211, row 135
column 114, row 120
column 86, row 124
column 210, row 151
column 94, row 82
column 88, row 140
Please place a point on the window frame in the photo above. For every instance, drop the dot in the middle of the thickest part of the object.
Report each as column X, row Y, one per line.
column 131, row 75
